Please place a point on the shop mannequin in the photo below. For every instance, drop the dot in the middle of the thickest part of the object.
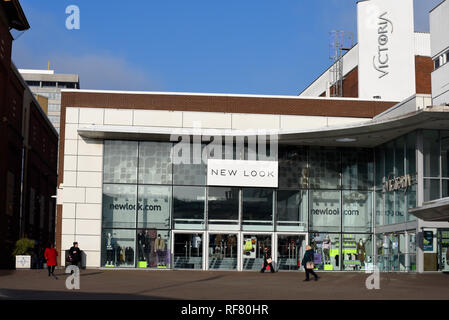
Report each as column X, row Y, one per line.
column 109, row 249
column 196, row 242
column 326, row 249
column 141, row 246
column 361, row 252
column 159, row 247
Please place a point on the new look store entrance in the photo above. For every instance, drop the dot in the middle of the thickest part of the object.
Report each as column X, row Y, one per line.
column 236, row 250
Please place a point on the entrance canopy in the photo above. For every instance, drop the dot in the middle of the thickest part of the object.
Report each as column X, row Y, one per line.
column 437, row 210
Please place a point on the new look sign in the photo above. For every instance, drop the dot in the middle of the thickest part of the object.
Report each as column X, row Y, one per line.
column 242, row 173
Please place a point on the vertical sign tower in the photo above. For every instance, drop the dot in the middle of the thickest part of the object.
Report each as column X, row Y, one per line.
column 386, row 49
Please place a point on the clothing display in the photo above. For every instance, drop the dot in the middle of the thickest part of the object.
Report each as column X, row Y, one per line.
column 326, row 249
column 129, row 255
column 361, row 251
column 141, row 246
column 159, row 244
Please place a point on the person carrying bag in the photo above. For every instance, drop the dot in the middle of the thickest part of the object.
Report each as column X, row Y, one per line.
column 309, row 265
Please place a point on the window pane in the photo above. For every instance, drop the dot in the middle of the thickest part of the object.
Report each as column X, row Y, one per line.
column 431, row 189
column 257, row 204
column 431, row 153
column 357, row 251
column 292, row 207
column 380, row 208
column 326, row 248
column 188, row 202
column 411, row 201
column 357, row 167
column 445, row 188
column 293, row 172
column 120, row 161
column 194, row 171
column 389, row 161
column 380, row 169
column 325, row 210
column 357, row 211
column 400, row 206
column 223, row 203
column 389, row 207
column 399, row 157
column 411, row 153
column 153, row 248
column 444, row 153
column 118, row 248
column 155, row 166
column 119, row 206
column 154, row 207
column 324, row 168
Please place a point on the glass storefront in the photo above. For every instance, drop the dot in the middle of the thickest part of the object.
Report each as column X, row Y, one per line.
column 161, row 214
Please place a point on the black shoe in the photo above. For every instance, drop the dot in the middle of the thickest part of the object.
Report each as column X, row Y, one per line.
column 261, row 271
column 306, row 280
column 316, row 279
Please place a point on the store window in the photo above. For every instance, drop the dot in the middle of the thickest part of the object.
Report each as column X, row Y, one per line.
column 223, row 251
column 431, row 153
column 155, row 166
column 292, row 210
column 120, row 161
column 389, row 208
column 223, row 204
column 327, row 253
column 357, row 169
column 153, row 248
column 188, row 207
column 119, row 248
column 431, row 189
column 445, row 153
column 324, row 168
column 443, row 250
column 357, row 211
column 119, row 206
column 380, row 208
column 325, row 209
column 400, row 208
column 293, row 169
column 257, row 209
column 411, row 202
column 253, row 247
column 154, row 207
column 357, row 252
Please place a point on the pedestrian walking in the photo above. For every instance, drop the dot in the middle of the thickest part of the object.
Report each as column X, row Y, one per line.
column 50, row 255
column 307, row 262
column 75, row 255
column 267, row 260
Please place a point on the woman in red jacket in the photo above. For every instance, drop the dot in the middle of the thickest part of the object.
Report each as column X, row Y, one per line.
column 50, row 255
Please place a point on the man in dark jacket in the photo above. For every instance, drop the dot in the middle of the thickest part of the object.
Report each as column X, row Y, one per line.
column 266, row 256
column 75, row 255
column 308, row 257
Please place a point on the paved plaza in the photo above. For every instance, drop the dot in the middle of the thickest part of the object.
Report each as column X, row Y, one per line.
column 220, row 285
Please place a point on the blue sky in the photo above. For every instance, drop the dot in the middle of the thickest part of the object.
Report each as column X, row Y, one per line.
column 232, row 46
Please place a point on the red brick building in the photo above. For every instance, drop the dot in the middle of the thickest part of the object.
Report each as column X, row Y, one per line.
column 29, row 150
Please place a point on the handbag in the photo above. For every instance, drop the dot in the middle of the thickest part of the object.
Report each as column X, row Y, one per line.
column 310, row 265
column 269, row 260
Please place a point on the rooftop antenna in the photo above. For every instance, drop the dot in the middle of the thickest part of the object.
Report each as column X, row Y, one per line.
column 340, row 42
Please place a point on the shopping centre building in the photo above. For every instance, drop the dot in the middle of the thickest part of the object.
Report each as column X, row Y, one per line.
column 207, row 181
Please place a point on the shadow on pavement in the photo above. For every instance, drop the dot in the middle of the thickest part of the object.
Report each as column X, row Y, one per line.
column 14, row 294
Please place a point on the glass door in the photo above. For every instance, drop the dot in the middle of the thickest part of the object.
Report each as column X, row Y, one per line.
column 188, row 251
column 222, row 252
column 253, row 246
column 290, row 249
